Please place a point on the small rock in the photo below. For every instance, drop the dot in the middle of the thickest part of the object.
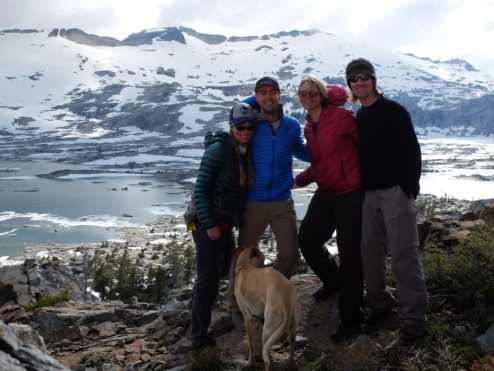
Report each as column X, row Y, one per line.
column 486, row 341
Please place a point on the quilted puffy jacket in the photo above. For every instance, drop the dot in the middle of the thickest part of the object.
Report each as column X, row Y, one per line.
column 272, row 158
column 217, row 186
column 333, row 147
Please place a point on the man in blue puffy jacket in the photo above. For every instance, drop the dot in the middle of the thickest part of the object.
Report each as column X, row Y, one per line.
column 276, row 139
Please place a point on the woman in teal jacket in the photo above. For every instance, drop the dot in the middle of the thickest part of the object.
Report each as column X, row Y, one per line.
column 224, row 175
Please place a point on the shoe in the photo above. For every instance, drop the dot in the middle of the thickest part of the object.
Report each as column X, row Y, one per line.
column 376, row 320
column 346, row 330
column 205, row 342
column 324, row 292
column 411, row 332
column 238, row 320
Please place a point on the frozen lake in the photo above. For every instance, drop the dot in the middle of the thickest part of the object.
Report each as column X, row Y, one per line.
column 85, row 208
column 456, row 166
column 76, row 209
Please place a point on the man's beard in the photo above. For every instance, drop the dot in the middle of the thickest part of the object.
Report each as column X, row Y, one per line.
column 270, row 112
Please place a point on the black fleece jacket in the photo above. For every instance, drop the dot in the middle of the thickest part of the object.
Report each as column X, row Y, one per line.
column 389, row 150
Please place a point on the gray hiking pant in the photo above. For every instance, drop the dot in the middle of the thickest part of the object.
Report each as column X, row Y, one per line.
column 389, row 226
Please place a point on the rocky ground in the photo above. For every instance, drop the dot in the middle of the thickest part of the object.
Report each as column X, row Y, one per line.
column 95, row 335
column 118, row 336
column 140, row 336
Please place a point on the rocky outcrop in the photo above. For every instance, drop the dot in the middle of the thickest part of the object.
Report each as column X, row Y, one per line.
column 486, row 341
column 168, row 72
column 17, row 30
column 122, row 335
column 465, row 118
column 447, row 234
column 147, row 37
column 78, row 36
column 23, row 284
column 207, row 38
column 17, row 355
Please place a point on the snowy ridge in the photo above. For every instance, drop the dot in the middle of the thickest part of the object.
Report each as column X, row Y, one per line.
column 55, row 88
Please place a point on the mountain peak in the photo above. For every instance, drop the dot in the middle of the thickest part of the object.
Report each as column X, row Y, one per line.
column 146, row 36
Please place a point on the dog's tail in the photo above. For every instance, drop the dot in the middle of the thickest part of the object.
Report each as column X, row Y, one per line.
column 288, row 322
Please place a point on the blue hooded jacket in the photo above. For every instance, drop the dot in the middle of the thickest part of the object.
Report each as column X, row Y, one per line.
column 272, row 157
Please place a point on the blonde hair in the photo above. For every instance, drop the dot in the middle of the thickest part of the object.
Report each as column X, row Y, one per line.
column 321, row 88
column 246, row 177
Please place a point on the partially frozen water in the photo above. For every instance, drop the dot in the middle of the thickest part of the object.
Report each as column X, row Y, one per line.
column 78, row 209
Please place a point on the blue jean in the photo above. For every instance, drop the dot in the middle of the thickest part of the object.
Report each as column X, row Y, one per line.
column 213, row 262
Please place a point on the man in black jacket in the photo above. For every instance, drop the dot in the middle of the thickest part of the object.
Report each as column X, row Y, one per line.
column 391, row 165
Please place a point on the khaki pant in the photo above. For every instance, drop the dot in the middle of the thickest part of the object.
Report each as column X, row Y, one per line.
column 389, row 226
column 281, row 217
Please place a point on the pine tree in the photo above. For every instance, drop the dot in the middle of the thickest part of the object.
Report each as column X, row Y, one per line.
column 103, row 281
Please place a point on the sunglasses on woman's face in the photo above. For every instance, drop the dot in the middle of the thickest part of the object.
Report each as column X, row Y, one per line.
column 361, row 77
column 242, row 128
column 311, row 94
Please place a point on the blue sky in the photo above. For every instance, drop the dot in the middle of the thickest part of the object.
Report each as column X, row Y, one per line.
column 438, row 29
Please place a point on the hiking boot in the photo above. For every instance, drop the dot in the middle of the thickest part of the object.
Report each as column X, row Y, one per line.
column 411, row 332
column 346, row 330
column 376, row 320
column 324, row 292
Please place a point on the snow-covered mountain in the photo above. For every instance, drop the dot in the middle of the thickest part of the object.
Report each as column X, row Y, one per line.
column 176, row 83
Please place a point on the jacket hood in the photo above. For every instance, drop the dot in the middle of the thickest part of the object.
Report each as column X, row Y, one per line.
column 337, row 95
column 219, row 136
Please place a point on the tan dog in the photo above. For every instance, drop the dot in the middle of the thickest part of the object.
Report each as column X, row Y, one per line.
column 267, row 293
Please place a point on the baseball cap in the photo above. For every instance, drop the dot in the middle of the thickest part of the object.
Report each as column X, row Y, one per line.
column 267, row 81
column 241, row 112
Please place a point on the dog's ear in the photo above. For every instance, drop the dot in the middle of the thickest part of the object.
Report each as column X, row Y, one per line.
column 256, row 257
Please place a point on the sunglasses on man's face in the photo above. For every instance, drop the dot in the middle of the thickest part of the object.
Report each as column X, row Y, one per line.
column 361, row 77
column 242, row 128
column 311, row 94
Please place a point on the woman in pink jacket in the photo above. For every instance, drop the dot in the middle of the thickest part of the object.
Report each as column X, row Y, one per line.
column 332, row 144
